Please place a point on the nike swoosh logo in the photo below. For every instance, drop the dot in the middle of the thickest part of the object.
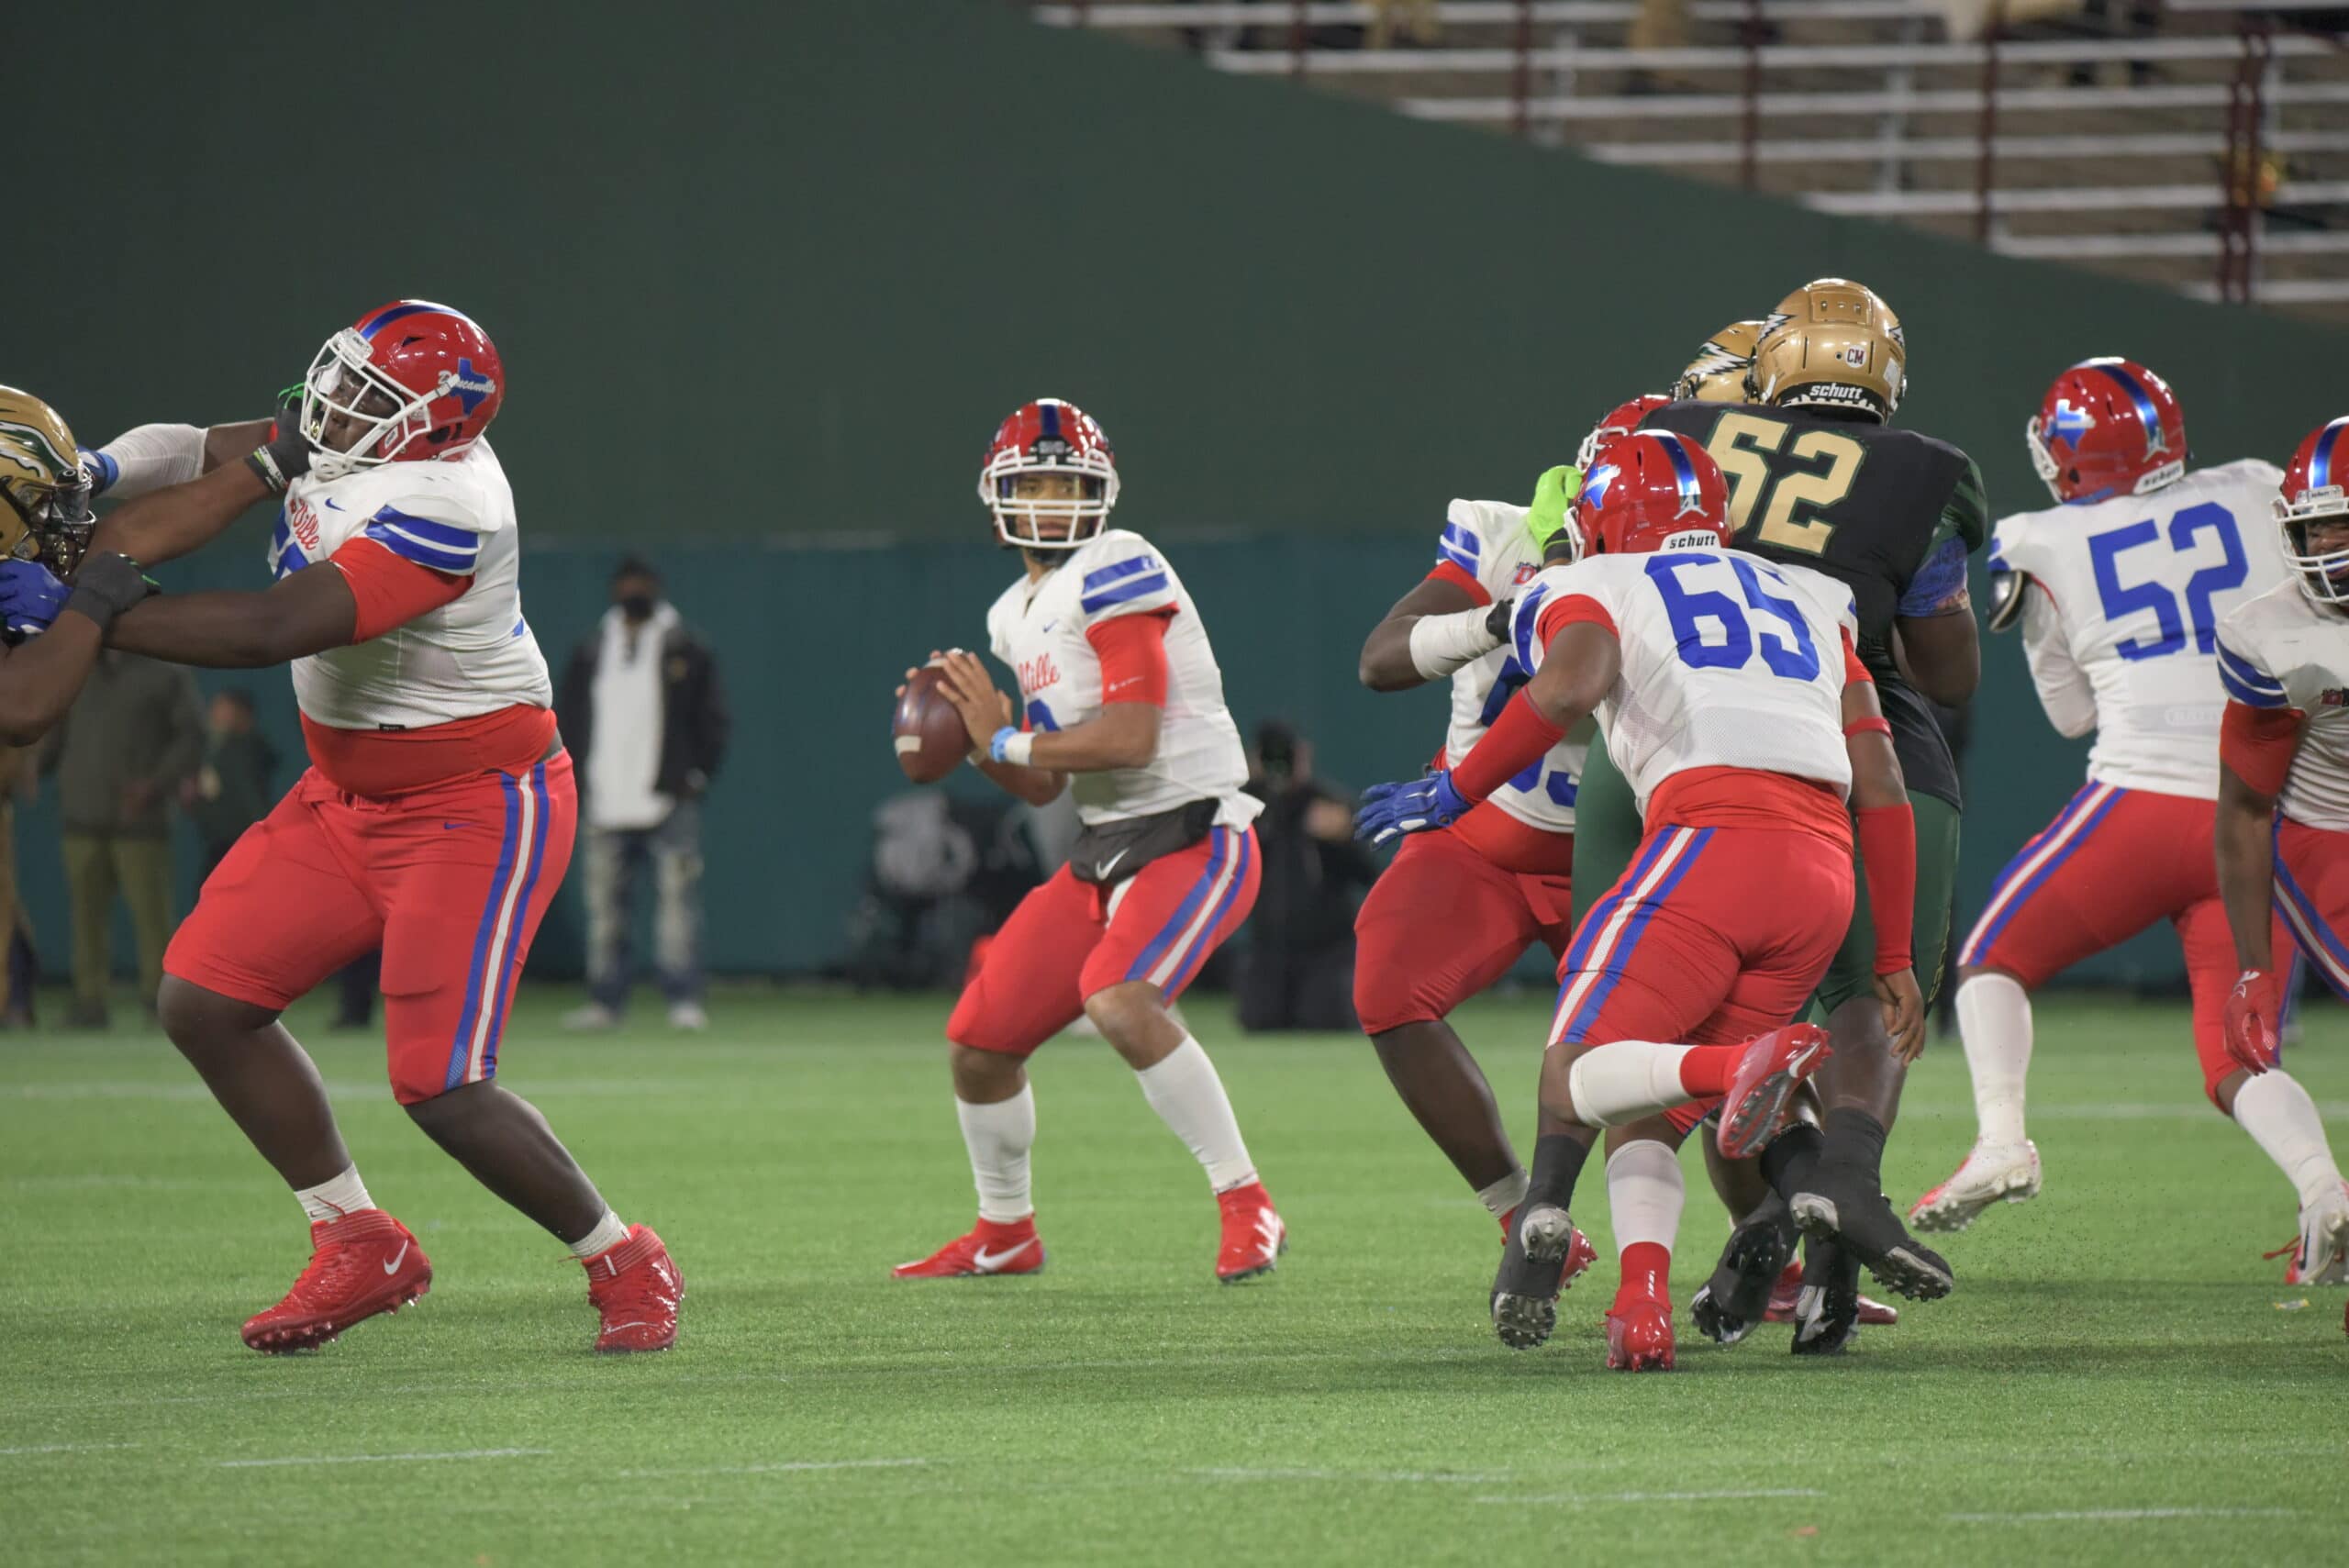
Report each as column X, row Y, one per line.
column 394, row 1263
column 1113, row 859
column 329, row 500
column 987, row 1262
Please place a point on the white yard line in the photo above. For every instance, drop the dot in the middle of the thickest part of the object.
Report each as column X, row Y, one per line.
column 1430, row 1478
column 64, row 1448
column 380, row 1457
column 2097, row 1514
column 1576, row 1500
column 779, row 1467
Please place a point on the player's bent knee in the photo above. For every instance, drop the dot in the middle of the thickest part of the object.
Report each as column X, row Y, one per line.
column 193, row 1016
column 983, row 1077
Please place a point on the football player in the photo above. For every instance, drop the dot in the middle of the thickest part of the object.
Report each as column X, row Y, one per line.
column 435, row 820
column 45, row 526
column 1818, row 477
column 2120, row 589
column 1122, row 703
column 1730, row 693
column 1455, row 909
column 2284, row 661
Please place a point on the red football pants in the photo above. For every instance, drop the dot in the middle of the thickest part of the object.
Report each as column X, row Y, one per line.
column 1444, row 922
column 2112, row 862
column 449, row 881
column 1070, row 939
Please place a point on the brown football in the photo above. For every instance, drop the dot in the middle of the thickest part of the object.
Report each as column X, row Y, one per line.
column 928, row 733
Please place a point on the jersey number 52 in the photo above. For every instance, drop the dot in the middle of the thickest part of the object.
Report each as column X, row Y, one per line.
column 2106, row 549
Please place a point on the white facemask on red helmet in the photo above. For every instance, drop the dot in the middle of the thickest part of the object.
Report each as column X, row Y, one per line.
column 2316, row 489
column 422, row 382
column 1049, row 436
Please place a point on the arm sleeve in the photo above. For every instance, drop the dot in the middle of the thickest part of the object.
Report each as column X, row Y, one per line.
column 2246, row 679
column 145, row 458
column 1938, row 588
column 2063, row 689
column 1133, row 650
column 1887, row 836
column 2257, row 744
column 1965, row 516
column 390, row 589
column 1138, row 583
column 1555, row 615
column 1855, row 671
column 428, row 531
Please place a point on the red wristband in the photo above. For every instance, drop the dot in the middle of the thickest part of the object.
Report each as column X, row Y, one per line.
column 1517, row 741
column 1888, row 851
column 1871, row 725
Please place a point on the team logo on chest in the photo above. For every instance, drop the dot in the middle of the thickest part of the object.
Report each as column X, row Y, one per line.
column 1036, row 673
column 304, row 522
column 1526, row 571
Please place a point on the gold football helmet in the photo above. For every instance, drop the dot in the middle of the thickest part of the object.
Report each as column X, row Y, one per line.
column 1832, row 344
column 1722, row 370
column 48, row 516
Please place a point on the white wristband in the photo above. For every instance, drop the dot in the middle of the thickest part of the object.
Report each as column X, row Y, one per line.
column 150, row 457
column 1441, row 644
column 1013, row 746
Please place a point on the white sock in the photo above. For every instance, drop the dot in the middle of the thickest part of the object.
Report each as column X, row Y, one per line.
column 1188, row 1098
column 609, row 1232
column 998, row 1136
column 1994, row 1017
column 2282, row 1119
column 1645, row 1192
column 335, row 1197
column 1504, row 1194
column 1625, row 1080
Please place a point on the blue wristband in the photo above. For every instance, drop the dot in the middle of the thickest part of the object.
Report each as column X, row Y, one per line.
column 999, row 743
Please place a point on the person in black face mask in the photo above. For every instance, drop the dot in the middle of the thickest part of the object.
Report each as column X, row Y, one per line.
column 641, row 706
column 1298, row 973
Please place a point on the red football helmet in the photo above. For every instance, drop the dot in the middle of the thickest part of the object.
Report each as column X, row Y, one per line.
column 403, row 371
column 2316, row 489
column 1049, row 436
column 1620, row 420
column 1649, row 491
column 2107, row 427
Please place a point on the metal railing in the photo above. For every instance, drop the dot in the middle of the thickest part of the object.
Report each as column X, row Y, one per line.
column 2247, row 76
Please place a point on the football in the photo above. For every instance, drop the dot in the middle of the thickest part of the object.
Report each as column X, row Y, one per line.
column 928, row 732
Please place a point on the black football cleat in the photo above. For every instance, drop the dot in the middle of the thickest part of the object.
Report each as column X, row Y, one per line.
column 1525, row 1290
column 1826, row 1308
column 1727, row 1305
column 1839, row 1204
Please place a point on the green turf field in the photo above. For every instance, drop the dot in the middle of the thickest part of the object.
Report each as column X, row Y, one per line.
column 2113, row 1381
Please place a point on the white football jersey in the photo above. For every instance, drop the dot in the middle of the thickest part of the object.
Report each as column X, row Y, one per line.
column 472, row 656
column 1488, row 540
column 1729, row 661
column 2121, row 623
column 1039, row 628
column 2283, row 650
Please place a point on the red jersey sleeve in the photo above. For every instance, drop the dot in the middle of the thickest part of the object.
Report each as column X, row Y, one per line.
column 1133, row 650
column 390, row 589
column 2257, row 744
column 1561, row 613
column 1446, row 572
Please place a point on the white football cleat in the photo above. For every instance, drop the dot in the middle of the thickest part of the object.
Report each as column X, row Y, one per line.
column 1989, row 1173
column 2321, row 1255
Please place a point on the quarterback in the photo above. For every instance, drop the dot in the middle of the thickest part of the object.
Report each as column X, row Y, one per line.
column 434, row 821
column 1121, row 704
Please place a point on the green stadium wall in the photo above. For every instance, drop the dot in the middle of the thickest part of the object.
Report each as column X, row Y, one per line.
column 764, row 278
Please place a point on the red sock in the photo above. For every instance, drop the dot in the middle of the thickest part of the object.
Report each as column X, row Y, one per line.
column 1707, row 1069
column 1647, row 1268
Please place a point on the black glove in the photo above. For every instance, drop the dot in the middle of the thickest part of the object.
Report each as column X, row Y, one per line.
column 1496, row 619
column 285, row 456
column 106, row 585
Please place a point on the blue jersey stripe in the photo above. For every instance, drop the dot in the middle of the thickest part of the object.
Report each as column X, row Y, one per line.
column 448, row 535
column 408, row 548
column 1140, row 587
column 2250, row 696
column 1459, row 539
column 2247, row 672
column 1118, row 571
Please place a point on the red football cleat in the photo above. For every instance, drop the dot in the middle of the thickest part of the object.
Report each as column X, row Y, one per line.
column 1788, row 1288
column 360, row 1266
column 636, row 1287
column 1773, row 1063
column 991, row 1248
column 1253, row 1236
column 1639, row 1330
column 1580, row 1253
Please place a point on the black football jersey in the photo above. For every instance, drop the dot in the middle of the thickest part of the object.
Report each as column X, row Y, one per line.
column 1887, row 511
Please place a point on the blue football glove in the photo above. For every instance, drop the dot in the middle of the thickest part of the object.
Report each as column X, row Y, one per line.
column 1391, row 809
column 30, row 596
